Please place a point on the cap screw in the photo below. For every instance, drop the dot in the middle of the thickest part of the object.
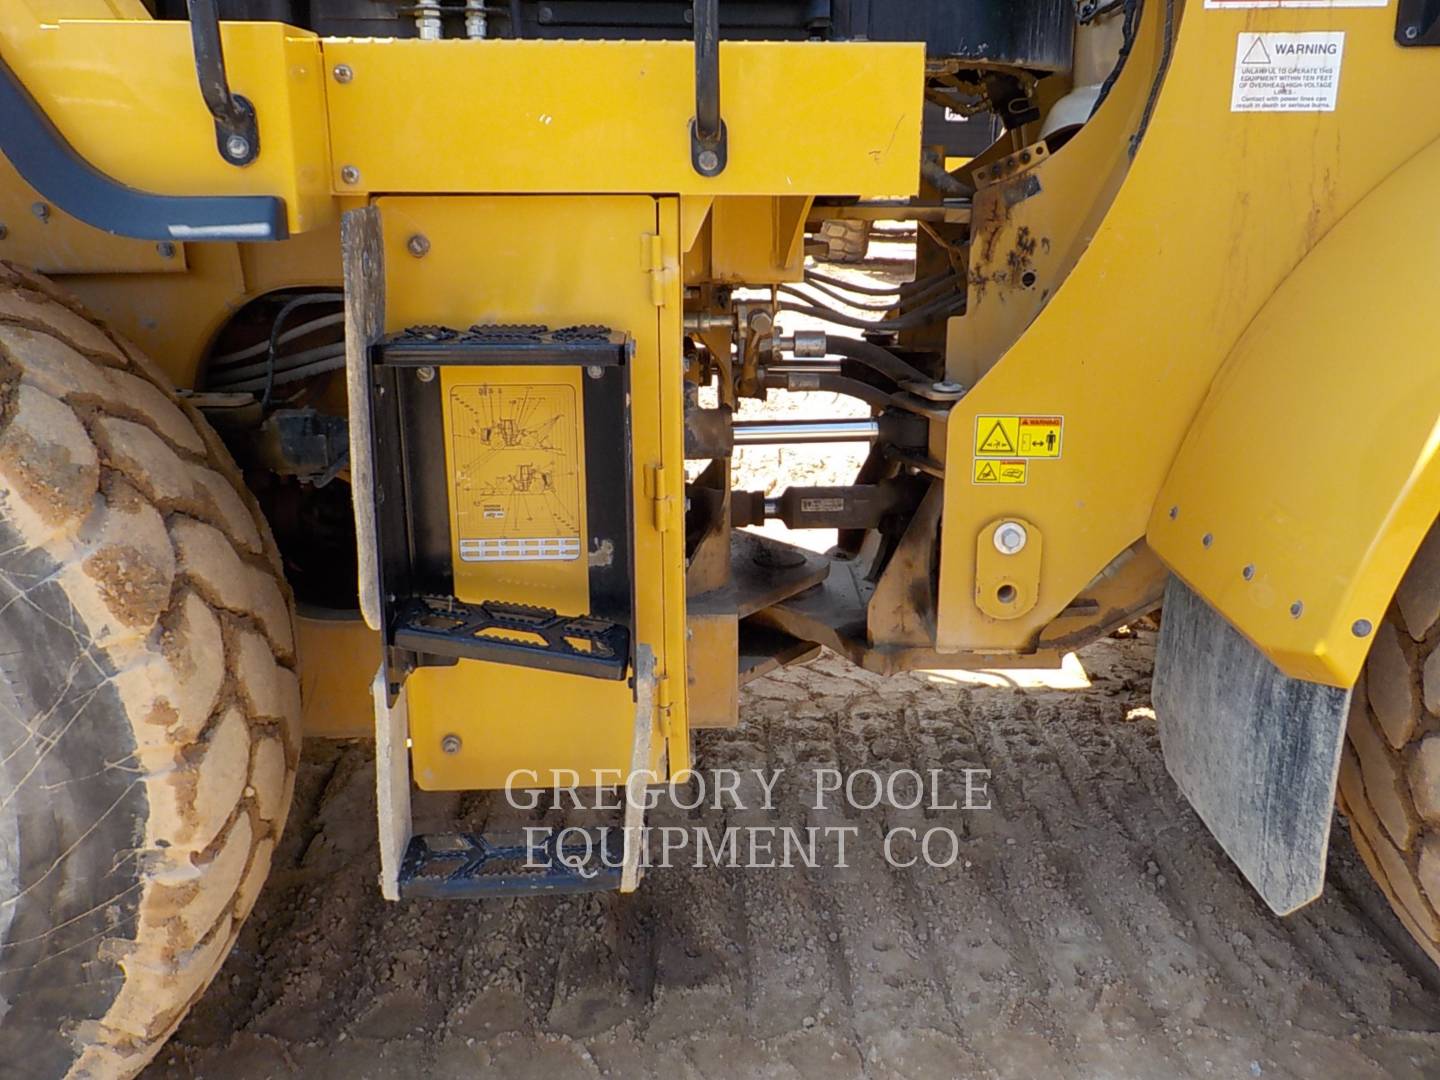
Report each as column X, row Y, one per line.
column 237, row 147
column 1010, row 538
column 342, row 73
column 425, row 374
column 450, row 744
column 350, row 174
column 418, row 245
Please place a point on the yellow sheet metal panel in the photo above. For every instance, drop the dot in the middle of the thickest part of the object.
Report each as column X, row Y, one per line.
column 125, row 95
column 1215, row 212
column 558, row 261
column 337, row 662
column 552, row 116
column 1312, row 472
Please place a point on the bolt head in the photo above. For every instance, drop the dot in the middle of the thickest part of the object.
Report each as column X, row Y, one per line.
column 945, row 386
column 237, row 147
column 450, row 744
column 1010, row 538
column 165, row 249
column 708, row 161
column 418, row 244
column 1361, row 627
column 343, row 73
column 1411, row 33
column 1249, row 572
column 41, row 210
column 425, row 374
column 1297, row 609
column 595, row 371
column 350, row 174
column 1207, row 539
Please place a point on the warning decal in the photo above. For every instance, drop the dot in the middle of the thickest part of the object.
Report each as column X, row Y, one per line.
column 1295, row 3
column 988, row 471
column 1018, row 436
column 1287, row 72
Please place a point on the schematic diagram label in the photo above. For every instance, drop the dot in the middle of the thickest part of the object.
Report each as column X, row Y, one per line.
column 1287, row 72
column 515, row 452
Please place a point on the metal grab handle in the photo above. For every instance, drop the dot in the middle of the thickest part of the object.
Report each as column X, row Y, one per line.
column 708, row 153
column 237, row 134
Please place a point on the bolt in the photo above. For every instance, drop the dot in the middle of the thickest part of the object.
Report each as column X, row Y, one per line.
column 237, row 147
column 1249, row 572
column 1174, row 512
column 425, row 374
column 1207, row 539
column 1361, row 628
column 1411, row 33
column 41, row 211
column 350, row 174
column 165, row 249
column 1010, row 537
column 342, row 73
column 450, row 744
column 418, row 245
column 708, row 161
column 594, row 371
column 1297, row 608
column 945, row 386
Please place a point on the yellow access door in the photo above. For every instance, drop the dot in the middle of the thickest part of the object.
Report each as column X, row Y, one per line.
column 514, row 441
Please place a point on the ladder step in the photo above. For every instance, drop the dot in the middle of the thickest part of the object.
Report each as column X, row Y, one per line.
column 469, row 866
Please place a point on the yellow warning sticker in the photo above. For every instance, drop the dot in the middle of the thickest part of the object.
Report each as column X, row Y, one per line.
column 1019, row 436
column 988, row 471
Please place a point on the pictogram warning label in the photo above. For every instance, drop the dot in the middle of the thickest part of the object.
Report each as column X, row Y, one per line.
column 1287, row 72
column 1019, row 436
column 990, row 471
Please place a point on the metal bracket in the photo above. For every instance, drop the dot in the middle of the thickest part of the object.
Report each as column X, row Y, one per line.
column 709, row 142
column 1417, row 22
column 237, row 134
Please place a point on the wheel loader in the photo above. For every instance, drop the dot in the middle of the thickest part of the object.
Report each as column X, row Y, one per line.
column 374, row 369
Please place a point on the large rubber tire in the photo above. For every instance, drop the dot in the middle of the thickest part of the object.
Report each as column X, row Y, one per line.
column 846, row 240
column 1390, row 769
column 149, row 708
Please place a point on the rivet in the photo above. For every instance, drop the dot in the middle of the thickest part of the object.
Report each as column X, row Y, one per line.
column 1297, row 609
column 1248, row 572
column 343, row 73
column 418, row 245
column 425, row 374
column 1361, row 628
column 450, row 744
column 1207, row 539
column 350, row 174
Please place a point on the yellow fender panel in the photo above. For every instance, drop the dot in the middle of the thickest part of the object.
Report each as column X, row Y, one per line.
column 1312, row 471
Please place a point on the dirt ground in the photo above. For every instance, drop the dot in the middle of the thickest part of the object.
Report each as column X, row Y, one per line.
column 1089, row 926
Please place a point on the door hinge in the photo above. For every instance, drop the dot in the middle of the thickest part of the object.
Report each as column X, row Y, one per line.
column 654, row 252
column 664, row 506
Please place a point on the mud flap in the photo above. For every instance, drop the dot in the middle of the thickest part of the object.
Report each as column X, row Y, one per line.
column 1255, row 752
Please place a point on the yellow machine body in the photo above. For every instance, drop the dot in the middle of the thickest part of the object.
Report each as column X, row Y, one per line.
column 1184, row 305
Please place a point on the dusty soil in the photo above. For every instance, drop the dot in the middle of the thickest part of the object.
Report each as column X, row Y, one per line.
column 1090, row 926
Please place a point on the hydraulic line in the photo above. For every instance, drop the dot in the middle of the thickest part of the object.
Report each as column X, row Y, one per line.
column 322, row 323
column 220, row 379
column 921, row 316
column 875, row 290
column 333, row 361
column 826, row 382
